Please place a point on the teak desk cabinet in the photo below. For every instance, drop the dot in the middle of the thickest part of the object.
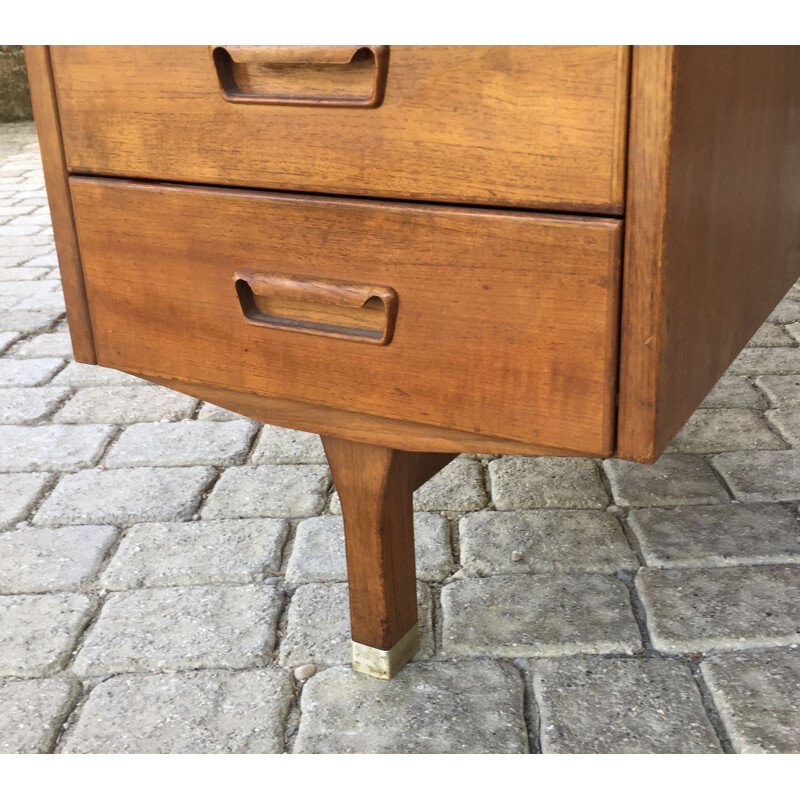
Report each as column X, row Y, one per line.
column 419, row 251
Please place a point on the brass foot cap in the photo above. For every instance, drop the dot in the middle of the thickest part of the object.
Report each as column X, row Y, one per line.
column 386, row 663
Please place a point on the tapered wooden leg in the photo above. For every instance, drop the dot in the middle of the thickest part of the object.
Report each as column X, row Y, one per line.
column 375, row 487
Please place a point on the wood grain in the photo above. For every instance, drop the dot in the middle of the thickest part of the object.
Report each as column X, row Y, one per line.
column 713, row 225
column 45, row 111
column 343, row 310
column 376, row 486
column 428, row 464
column 644, row 272
column 505, row 324
column 330, row 75
column 351, row 425
column 536, row 127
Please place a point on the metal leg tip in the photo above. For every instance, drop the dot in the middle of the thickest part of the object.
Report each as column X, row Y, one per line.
column 386, row 663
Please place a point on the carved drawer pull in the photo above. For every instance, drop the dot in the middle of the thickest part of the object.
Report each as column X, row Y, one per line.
column 329, row 75
column 354, row 311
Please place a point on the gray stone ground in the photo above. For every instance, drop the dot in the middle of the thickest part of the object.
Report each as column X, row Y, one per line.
column 172, row 577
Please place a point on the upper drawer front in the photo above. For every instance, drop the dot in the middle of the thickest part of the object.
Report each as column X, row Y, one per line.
column 534, row 127
column 504, row 323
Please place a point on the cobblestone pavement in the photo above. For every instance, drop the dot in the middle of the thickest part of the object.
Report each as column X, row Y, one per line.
column 172, row 576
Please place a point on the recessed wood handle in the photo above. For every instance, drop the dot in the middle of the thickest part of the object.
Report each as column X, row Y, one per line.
column 340, row 310
column 339, row 74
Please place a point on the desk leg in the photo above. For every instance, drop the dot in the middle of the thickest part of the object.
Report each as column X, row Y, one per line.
column 375, row 487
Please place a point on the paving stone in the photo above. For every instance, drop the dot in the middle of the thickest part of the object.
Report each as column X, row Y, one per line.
column 43, row 287
column 457, row 487
column 56, row 447
column 123, row 405
column 674, row 480
column 318, row 553
column 794, row 331
column 468, row 707
column 548, row 541
column 782, row 390
column 13, row 134
column 767, row 361
column 28, row 321
column 285, row 446
column 732, row 608
column 52, row 559
column 788, row 310
column 125, row 496
column 723, row 430
column 14, row 208
column 76, row 374
column 600, row 705
column 758, row 698
column 19, row 230
column 770, row 334
column 717, row 536
column 520, row 482
column 8, row 169
column 286, row 490
column 19, row 493
column 181, row 554
column 38, row 632
column 38, row 218
column 55, row 345
column 18, row 218
column 756, row 476
column 22, row 273
column 22, row 288
column 7, row 338
column 510, row 616
column 211, row 413
column 335, row 506
column 19, row 207
column 787, row 422
column 318, row 629
column 33, row 712
column 18, row 254
column 49, row 260
column 31, row 404
column 188, row 443
column 44, row 300
column 212, row 711
column 9, row 206
column 28, row 372
column 45, row 221
column 35, row 192
column 182, row 627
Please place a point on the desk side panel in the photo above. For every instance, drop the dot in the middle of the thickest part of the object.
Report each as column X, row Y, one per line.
column 723, row 215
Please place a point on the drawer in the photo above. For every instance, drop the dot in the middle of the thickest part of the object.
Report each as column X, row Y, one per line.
column 532, row 127
column 500, row 323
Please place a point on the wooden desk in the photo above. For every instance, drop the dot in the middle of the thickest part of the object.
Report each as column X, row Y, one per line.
column 420, row 251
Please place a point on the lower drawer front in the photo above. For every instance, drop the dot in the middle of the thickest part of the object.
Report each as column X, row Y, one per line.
column 499, row 323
